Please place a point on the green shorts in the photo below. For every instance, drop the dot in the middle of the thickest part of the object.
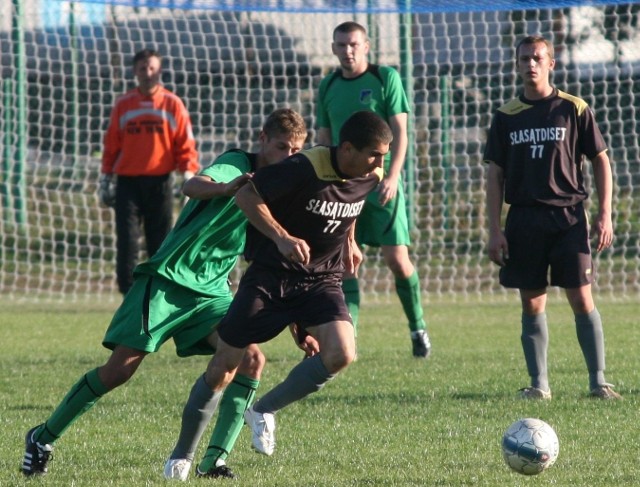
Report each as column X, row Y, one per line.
column 380, row 225
column 155, row 310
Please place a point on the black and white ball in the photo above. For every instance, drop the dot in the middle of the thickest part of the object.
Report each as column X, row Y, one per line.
column 530, row 446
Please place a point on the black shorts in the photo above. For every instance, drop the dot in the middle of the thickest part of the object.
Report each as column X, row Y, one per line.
column 268, row 301
column 544, row 238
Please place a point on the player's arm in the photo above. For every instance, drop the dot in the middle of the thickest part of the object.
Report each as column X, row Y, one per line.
column 259, row 215
column 352, row 255
column 204, row 188
column 497, row 249
column 603, row 178
column 388, row 187
column 324, row 136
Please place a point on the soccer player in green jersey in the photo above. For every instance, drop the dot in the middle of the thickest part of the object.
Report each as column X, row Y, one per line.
column 359, row 85
column 182, row 292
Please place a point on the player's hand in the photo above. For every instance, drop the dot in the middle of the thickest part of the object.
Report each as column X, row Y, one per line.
column 603, row 227
column 295, row 250
column 352, row 257
column 387, row 190
column 498, row 249
column 304, row 341
column 232, row 187
column 309, row 346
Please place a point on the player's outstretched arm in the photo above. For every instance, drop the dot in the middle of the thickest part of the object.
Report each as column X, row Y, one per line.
column 205, row 188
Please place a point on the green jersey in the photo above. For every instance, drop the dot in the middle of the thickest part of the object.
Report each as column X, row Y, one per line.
column 203, row 247
column 379, row 89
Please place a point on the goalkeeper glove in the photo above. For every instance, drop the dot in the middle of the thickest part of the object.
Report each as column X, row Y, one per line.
column 107, row 190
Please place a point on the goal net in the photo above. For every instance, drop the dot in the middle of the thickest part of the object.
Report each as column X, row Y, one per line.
column 233, row 62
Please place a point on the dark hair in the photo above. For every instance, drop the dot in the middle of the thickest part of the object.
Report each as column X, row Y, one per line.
column 348, row 27
column 285, row 121
column 144, row 55
column 365, row 129
column 535, row 39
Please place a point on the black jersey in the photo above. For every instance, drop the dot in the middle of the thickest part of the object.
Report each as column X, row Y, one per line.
column 539, row 144
column 312, row 200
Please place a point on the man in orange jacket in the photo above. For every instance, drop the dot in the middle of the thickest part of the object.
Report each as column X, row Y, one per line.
column 149, row 136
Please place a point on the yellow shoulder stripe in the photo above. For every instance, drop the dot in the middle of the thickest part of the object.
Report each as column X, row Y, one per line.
column 580, row 104
column 514, row 107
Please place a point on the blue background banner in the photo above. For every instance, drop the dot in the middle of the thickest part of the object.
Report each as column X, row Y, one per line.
column 359, row 6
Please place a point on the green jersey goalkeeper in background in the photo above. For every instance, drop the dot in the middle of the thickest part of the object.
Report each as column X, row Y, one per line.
column 359, row 85
column 182, row 293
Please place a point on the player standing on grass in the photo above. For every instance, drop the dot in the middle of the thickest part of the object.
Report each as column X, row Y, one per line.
column 534, row 151
column 302, row 212
column 149, row 136
column 182, row 292
column 358, row 85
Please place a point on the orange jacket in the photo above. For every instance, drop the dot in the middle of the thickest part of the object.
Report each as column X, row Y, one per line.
column 149, row 136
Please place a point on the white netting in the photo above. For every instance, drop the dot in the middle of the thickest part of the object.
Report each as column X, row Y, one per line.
column 64, row 63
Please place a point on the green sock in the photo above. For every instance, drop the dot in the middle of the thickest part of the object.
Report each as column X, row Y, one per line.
column 409, row 293
column 237, row 397
column 82, row 396
column 351, row 292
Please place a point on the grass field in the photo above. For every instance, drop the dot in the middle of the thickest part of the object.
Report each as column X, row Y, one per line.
column 389, row 420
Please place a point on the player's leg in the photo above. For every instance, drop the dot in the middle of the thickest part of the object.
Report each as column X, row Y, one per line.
column 220, row 373
column 142, row 323
column 572, row 269
column 337, row 351
column 591, row 339
column 120, row 366
column 199, row 409
column 127, row 221
column 157, row 212
column 236, row 399
column 407, row 282
column 196, row 318
column 528, row 231
column 535, row 342
column 351, row 290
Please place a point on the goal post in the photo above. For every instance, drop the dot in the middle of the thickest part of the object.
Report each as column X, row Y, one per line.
column 233, row 62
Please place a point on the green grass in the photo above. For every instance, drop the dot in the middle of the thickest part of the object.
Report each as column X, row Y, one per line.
column 389, row 420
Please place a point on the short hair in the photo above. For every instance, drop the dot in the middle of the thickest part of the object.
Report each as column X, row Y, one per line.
column 285, row 121
column 144, row 55
column 365, row 129
column 348, row 27
column 535, row 39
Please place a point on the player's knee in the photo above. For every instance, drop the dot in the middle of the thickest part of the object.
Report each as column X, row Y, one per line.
column 401, row 269
column 253, row 362
column 221, row 369
column 399, row 263
column 112, row 377
column 337, row 360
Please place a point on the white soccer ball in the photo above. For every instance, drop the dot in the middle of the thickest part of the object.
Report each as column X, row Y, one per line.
column 530, row 446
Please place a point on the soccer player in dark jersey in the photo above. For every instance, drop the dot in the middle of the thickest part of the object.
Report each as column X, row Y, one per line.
column 182, row 292
column 360, row 85
column 534, row 151
column 302, row 212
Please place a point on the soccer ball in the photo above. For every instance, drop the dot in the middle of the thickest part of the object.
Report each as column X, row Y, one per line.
column 530, row 446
